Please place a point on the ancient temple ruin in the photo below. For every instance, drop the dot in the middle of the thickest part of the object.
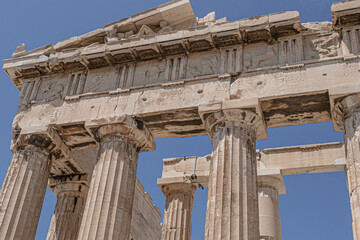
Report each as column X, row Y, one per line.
column 89, row 104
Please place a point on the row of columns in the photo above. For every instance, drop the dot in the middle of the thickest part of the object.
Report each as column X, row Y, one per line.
column 108, row 208
column 180, row 199
column 233, row 200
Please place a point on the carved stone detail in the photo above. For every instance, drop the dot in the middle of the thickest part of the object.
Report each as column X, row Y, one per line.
column 76, row 83
column 351, row 41
column 291, row 50
column 203, row 66
column 124, row 76
column 29, row 91
column 164, row 27
column 134, row 130
column 156, row 72
column 324, row 46
column 231, row 60
column 50, row 90
column 175, row 68
column 144, row 31
column 242, row 116
column 253, row 58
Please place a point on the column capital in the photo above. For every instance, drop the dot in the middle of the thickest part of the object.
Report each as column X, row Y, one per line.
column 176, row 185
column 271, row 178
column 124, row 126
column 44, row 138
column 76, row 183
column 344, row 108
column 245, row 111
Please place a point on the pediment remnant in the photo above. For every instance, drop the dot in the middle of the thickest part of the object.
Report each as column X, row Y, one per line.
column 145, row 31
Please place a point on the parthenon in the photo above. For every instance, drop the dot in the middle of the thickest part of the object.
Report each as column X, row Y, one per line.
column 90, row 104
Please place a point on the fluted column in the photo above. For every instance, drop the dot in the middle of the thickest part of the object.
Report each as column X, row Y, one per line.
column 346, row 113
column 178, row 210
column 23, row 192
column 232, row 209
column 269, row 188
column 109, row 205
column 71, row 192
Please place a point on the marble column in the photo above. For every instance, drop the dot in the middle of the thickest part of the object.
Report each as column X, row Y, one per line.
column 346, row 113
column 71, row 192
column 232, row 209
column 109, row 205
column 178, row 210
column 23, row 192
column 269, row 188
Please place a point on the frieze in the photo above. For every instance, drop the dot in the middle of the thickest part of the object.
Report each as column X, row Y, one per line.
column 50, row 90
column 351, row 40
column 260, row 55
column 202, row 65
column 231, row 60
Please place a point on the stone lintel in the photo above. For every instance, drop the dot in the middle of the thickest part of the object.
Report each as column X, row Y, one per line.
column 124, row 126
column 44, row 137
column 181, row 169
column 315, row 158
column 346, row 13
column 246, row 111
column 271, row 178
column 280, row 108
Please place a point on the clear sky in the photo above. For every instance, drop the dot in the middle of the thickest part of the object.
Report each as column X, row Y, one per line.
column 315, row 207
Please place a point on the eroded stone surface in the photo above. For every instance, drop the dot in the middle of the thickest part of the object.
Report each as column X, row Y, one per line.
column 348, row 111
column 232, row 180
column 71, row 193
column 109, row 206
column 149, row 70
column 145, row 221
column 23, row 192
column 178, row 210
column 166, row 73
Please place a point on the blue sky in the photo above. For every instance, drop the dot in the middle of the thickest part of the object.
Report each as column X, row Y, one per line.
column 315, row 207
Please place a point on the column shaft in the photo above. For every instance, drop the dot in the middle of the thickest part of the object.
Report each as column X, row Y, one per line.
column 232, row 210
column 352, row 141
column 110, row 199
column 23, row 192
column 178, row 210
column 269, row 207
column 65, row 223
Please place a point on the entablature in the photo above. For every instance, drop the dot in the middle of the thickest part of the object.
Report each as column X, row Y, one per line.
column 292, row 71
